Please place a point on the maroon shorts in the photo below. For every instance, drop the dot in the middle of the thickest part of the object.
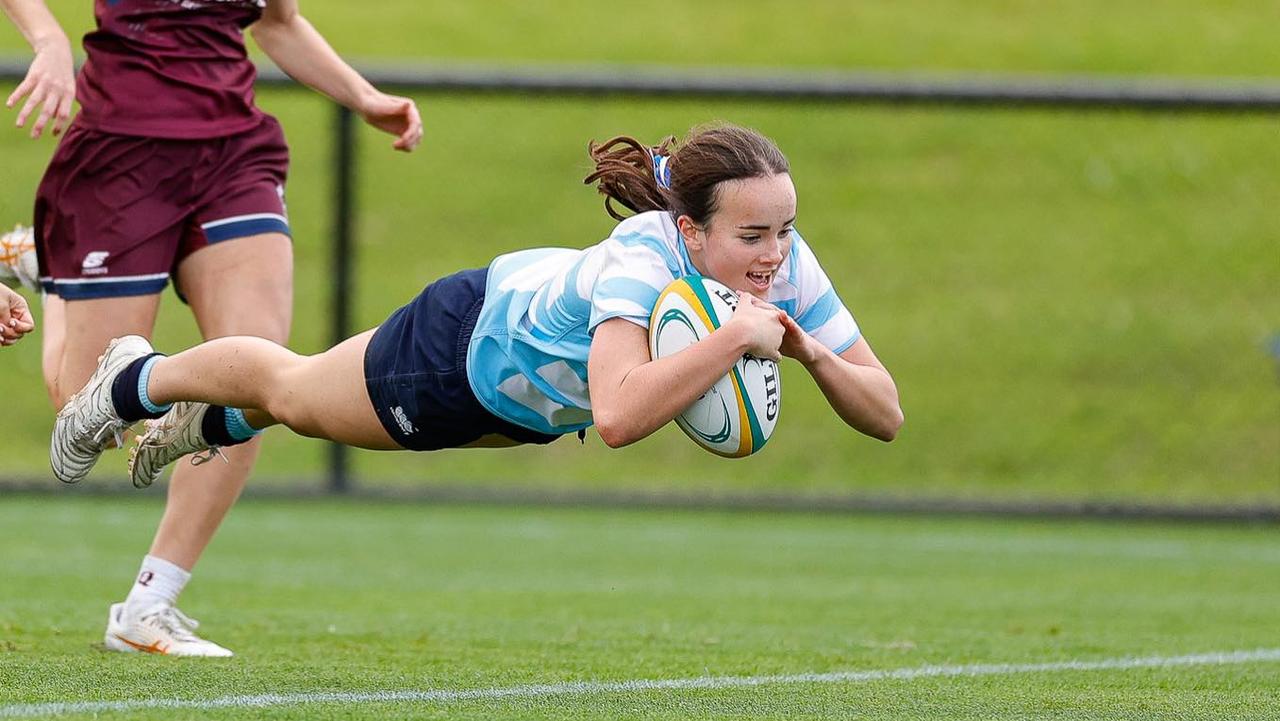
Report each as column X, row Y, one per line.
column 115, row 214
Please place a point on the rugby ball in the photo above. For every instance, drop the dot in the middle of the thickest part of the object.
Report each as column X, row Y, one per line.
column 737, row 415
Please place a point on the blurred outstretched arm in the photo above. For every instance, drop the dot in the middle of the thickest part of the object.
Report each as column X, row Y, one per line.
column 299, row 49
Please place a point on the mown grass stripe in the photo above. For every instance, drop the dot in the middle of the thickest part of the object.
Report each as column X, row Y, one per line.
column 580, row 688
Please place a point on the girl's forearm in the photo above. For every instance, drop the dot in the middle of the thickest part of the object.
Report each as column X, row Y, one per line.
column 302, row 52
column 654, row 393
column 863, row 396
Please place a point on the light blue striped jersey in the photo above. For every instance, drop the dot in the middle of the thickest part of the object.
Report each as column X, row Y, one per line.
column 527, row 361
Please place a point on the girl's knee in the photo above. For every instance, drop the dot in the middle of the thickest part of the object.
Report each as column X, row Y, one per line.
column 292, row 396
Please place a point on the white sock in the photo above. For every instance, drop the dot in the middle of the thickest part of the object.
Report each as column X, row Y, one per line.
column 158, row 582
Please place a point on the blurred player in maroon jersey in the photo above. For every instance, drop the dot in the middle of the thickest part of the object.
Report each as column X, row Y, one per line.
column 171, row 172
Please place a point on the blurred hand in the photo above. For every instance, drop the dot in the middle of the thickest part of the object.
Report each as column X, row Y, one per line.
column 15, row 317
column 763, row 327
column 395, row 115
column 50, row 84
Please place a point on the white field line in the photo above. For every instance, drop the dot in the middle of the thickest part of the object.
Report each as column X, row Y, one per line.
column 586, row 688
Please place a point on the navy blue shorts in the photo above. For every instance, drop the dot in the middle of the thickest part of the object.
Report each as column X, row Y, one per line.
column 416, row 370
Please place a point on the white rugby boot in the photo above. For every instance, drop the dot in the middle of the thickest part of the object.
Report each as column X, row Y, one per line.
column 168, row 438
column 161, row 629
column 18, row 264
column 88, row 424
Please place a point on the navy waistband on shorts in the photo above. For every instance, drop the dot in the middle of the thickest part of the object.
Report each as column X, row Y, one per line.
column 415, row 370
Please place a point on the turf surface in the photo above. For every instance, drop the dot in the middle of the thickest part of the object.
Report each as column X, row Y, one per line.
column 347, row 597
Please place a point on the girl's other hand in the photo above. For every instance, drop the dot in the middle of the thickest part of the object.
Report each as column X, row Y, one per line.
column 50, row 84
column 396, row 115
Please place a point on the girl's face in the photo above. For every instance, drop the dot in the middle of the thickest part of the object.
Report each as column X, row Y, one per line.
column 748, row 237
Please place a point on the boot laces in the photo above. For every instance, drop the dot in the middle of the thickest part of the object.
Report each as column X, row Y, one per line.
column 112, row 429
column 203, row 457
column 178, row 624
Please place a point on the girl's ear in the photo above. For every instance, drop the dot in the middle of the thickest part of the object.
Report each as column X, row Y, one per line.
column 691, row 232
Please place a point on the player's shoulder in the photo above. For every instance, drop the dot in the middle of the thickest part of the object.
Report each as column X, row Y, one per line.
column 645, row 229
column 652, row 234
column 656, row 221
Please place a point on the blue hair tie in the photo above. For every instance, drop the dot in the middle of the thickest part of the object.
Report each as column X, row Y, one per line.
column 662, row 170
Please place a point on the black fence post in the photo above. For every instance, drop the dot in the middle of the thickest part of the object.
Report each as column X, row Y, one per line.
column 343, row 260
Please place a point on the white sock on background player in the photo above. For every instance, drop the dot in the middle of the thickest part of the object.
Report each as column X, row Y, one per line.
column 158, row 582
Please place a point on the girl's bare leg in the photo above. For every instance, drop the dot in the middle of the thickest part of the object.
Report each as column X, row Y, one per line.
column 321, row 396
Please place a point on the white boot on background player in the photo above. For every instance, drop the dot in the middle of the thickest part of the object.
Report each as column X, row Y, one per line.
column 149, row 622
column 162, row 629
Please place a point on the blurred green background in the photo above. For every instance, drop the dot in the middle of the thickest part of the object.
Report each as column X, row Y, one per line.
column 1075, row 305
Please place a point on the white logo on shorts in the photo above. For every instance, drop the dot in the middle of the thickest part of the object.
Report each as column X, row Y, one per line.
column 403, row 421
column 94, row 263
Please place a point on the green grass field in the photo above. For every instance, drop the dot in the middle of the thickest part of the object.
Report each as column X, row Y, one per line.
column 321, row 597
column 1186, row 37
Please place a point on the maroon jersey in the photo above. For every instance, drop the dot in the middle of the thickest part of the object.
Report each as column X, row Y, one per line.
column 169, row 68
